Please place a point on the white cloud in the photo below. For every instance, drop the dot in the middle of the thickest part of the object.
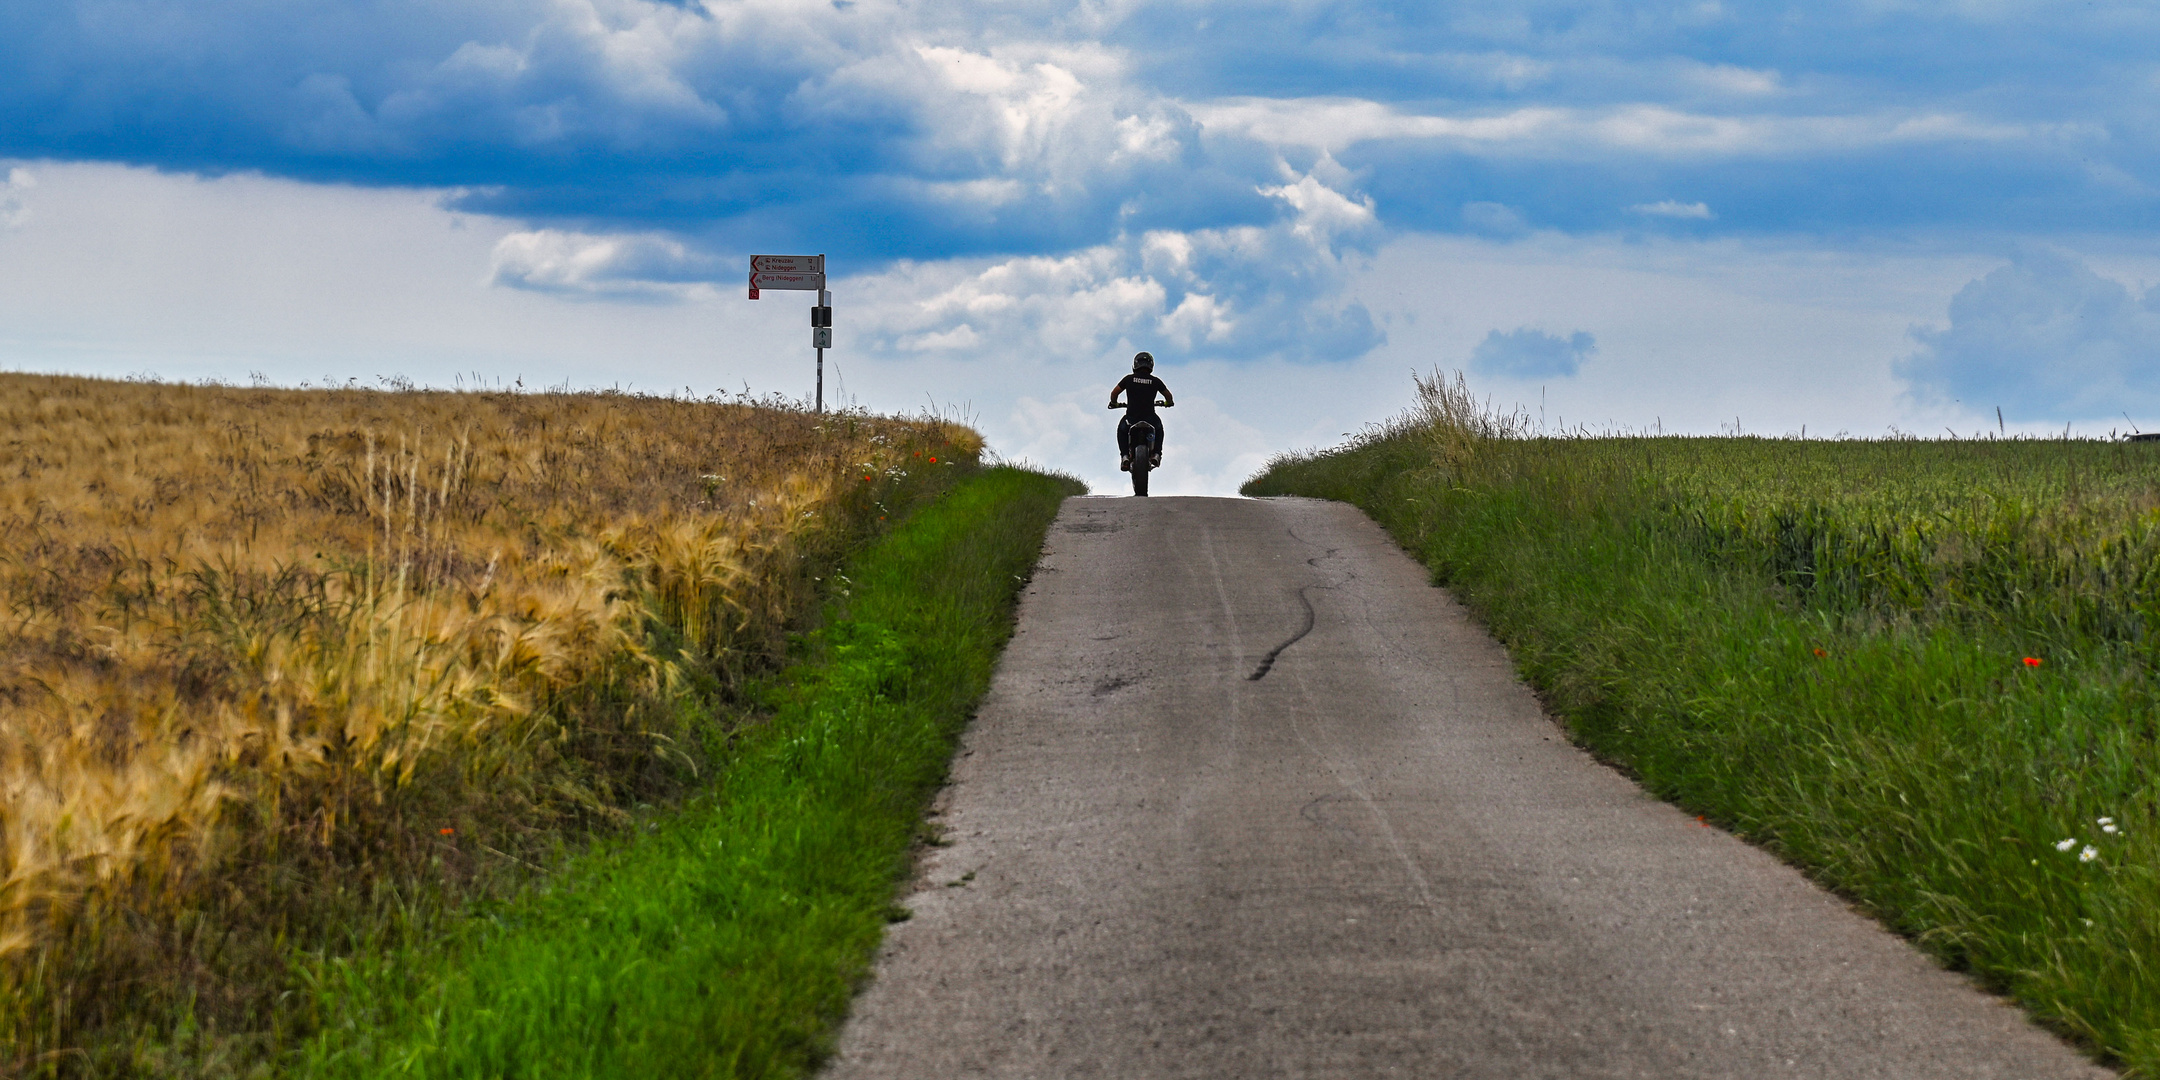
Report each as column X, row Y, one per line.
column 1045, row 127
column 1733, row 79
column 1532, row 354
column 14, row 210
column 1493, row 218
column 961, row 338
column 1198, row 320
column 1076, row 305
column 1029, row 103
column 1512, row 72
column 1246, row 291
column 604, row 71
column 648, row 266
column 1334, row 124
column 1673, row 208
column 1055, row 119
column 1323, row 213
column 2044, row 338
column 1658, row 131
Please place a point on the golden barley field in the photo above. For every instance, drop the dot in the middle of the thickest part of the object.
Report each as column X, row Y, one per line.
column 293, row 642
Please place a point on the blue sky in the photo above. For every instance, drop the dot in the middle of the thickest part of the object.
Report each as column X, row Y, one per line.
column 1694, row 216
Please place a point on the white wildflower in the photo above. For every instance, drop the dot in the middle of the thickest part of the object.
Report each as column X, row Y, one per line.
column 2066, row 845
column 2089, row 854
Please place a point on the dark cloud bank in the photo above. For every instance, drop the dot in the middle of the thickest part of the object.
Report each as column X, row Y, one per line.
column 648, row 144
column 746, row 123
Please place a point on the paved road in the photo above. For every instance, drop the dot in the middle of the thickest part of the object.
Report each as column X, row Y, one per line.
column 1250, row 798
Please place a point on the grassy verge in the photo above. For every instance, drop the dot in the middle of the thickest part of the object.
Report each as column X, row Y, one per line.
column 725, row 938
column 2000, row 812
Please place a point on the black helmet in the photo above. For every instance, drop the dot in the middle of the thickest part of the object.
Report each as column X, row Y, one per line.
column 1143, row 362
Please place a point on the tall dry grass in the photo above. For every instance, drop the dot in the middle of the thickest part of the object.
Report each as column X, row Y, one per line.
column 266, row 649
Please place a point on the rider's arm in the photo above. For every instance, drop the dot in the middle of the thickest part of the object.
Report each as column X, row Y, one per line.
column 1118, row 389
column 1165, row 388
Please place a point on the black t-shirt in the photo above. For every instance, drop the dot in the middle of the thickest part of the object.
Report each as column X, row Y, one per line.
column 1140, row 393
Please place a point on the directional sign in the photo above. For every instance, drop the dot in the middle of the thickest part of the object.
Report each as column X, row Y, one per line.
column 787, row 264
column 802, row 273
column 808, row 282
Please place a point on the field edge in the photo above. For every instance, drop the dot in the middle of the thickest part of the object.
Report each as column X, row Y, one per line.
column 728, row 938
column 1602, row 674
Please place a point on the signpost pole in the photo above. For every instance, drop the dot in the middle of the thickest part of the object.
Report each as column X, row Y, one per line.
column 824, row 300
column 803, row 272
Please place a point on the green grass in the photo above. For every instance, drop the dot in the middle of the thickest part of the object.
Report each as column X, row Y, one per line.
column 1706, row 614
column 726, row 937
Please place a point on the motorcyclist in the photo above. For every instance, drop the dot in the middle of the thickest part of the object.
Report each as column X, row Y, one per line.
column 1139, row 389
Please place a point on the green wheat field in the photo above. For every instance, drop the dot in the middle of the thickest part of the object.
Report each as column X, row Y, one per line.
column 1923, row 671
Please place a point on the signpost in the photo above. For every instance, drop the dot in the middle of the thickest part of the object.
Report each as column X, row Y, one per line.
column 805, row 273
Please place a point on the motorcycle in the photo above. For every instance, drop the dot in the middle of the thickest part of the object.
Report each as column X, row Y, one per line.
column 1143, row 454
column 1146, row 442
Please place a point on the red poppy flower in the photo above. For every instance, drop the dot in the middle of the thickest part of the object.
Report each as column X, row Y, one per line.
column 933, row 461
column 2032, row 661
column 1819, row 652
column 448, row 830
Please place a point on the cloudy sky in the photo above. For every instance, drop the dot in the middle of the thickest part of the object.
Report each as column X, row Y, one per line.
column 1840, row 216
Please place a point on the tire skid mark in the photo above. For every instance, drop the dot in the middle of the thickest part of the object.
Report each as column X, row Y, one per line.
column 1268, row 661
column 1305, row 628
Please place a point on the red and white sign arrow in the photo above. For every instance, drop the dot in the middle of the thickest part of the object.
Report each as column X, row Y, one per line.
column 803, row 272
